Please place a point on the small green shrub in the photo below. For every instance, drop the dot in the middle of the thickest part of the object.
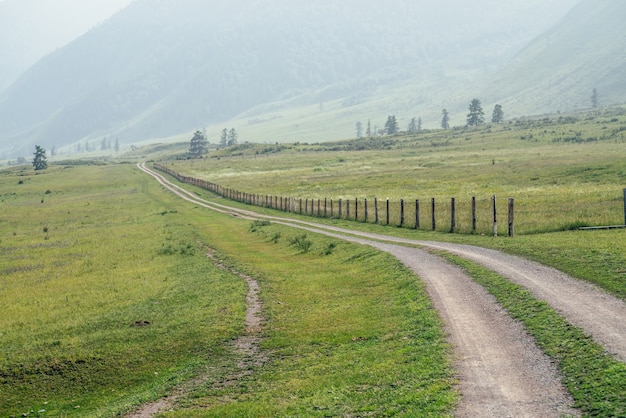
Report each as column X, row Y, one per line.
column 257, row 225
column 274, row 238
column 329, row 248
column 572, row 226
column 301, row 243
column 182, row 248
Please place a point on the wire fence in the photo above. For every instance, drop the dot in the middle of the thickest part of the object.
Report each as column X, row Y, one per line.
column 526, row 214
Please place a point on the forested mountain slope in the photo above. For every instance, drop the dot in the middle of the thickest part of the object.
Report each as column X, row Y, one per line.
column 559, row 69
column 165, row 67
column 30, row 29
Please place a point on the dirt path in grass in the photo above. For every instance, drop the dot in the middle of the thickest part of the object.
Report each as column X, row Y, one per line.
column 246, row 346
column 501, row 371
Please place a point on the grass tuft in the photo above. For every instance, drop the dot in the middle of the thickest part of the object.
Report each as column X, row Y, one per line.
column 301, row 243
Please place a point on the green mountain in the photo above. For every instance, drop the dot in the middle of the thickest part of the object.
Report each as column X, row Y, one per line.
column 31, row 29
column 559, row 70
column 275, row 70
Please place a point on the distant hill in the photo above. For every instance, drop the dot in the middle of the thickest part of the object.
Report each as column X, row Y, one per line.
column 165, row 67
column 30, row 29
column 559, row 69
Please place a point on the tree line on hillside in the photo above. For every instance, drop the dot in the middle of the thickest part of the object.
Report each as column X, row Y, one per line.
column 475, row 117
column 199, row 144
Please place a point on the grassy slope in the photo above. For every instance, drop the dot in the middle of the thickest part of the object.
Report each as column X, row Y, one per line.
column 350, row 332
column 561, row 172
column 107, row 247
column 80, row 265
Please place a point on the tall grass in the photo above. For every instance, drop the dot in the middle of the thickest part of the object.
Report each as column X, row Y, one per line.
column 109, row 300
column 351, row 332
column 557, row 182
column 95, row 315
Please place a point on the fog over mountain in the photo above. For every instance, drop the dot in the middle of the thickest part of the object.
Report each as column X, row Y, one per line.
column 287, row 70
column 30, row 29
column 560, row 69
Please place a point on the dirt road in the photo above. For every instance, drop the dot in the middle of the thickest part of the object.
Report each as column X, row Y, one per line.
column 501, row 371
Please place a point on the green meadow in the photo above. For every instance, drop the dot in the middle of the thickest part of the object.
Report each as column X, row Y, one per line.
column 562, row 172
column 109, row 299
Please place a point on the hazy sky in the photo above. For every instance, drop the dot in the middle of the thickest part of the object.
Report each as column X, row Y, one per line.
column 30, row 29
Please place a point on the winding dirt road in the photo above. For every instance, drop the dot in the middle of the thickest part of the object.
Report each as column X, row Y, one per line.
column 501, row 371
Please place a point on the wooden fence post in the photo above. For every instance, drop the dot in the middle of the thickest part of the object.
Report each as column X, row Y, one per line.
column 624, row 206
column 348, row 209
column 340, row 205
column 401, row 212
column 452, row 215
column 325, row 210
column 319, row 204
column 473, row 214
column 376, row 210
column 356, row 208
column 387, row 211
column 417, row 213
column 432, row 204
column 495, row 217
column 511, row 216
column 332, row 213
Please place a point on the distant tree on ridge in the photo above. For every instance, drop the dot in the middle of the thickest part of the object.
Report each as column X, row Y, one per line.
column 198, row 146
column 498, row 114
column 445, row 119
column 594, row 98
column 391, row 126
column 412, row 128
column 224, row 138
column 476, row 116
column 39, row 159
column 232, row 136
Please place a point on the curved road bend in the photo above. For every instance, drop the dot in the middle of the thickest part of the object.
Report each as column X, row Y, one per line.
column 502, row 372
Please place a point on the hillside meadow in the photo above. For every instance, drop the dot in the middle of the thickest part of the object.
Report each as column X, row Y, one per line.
column 562, row 172
column 109, row 300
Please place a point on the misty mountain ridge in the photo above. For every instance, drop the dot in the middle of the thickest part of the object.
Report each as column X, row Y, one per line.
column 30, row 29
column 161, row 68
column 560, row 69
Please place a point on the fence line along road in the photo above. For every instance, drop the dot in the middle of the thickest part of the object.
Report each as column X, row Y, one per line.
column 403, row 213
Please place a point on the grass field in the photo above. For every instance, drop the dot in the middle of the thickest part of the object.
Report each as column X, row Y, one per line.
column 562, row 172
column 108, row 299
column 89, row 256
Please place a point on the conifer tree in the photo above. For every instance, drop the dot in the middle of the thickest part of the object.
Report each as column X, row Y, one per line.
column 476, row 116
column 198, row 145
column 445, row 119
column 232, row 136
column 391, row 126
column 39, row 160
column 498, row 114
